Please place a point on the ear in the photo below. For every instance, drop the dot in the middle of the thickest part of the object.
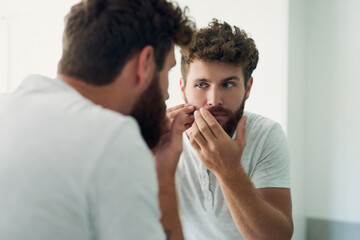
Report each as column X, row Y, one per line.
column 145, row 67
column 248, row 87
column 182, row 87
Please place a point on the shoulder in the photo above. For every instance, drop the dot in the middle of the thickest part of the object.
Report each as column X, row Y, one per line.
column 102, row 122
column 260, row 126
column 122, row 153
column 108, row 135
column 266, row 156
column 122, row 133
column 256, row 121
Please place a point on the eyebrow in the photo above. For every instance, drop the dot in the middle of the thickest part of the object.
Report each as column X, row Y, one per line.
column 223, row 80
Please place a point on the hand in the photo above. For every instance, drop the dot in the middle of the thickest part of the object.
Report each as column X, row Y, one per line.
column 185, row 108
column 167, row 152
column 218, row 152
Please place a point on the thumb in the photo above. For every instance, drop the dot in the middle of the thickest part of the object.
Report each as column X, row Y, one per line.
column 177, row 129
column 241, row 130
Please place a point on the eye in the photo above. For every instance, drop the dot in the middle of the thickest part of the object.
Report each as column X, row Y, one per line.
column 201, row 85
column 228, row 85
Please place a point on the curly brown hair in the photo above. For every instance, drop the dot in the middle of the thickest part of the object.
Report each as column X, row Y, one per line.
column 220, row 42
column 100, row 36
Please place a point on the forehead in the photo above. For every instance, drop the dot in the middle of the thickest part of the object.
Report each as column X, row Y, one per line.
column 213, row 71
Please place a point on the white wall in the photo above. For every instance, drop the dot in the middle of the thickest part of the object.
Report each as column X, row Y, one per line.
column 332, row 110
column 296, row 112
column 267, row 22
column 42, row 49
column 3, row 53
column 324, row 111
column 21, row 7
column 30, row 39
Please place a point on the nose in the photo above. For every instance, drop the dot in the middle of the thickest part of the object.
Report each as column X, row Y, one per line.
column 166, row 95
column 214, row 97
column 164, row 89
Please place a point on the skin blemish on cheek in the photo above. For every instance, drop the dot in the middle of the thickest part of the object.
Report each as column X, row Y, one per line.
column 192, row 109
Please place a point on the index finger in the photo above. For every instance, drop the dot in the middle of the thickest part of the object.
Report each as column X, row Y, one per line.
column 173, row 111
column 215, row 127
column 175, row 107
column 203, row 127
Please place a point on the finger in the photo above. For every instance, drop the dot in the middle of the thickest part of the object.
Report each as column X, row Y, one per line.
column 198, row 135
column 188, row 129
column 190, row 110
column 203, row 127
column 241, row 130
column 177, row 129
column 188, row 121
column 214, row 126
column 193, row 142
column 172, row 112
column 186, row 107
column 175, row 107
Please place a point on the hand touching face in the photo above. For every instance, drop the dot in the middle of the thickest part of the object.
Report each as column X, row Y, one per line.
column 218, row 152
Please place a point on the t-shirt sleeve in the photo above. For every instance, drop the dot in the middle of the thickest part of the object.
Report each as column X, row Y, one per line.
column 123, row 189
column 273, row 167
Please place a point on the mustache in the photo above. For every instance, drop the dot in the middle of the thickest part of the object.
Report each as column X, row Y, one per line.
column 215, row 110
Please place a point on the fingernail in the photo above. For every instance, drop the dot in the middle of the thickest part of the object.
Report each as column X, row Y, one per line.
column 186, row 105
column 191, row 107
column 202, row 110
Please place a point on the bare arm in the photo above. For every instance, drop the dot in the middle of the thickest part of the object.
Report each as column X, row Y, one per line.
column 257, row 213
column 167, row 155
column 168, row 205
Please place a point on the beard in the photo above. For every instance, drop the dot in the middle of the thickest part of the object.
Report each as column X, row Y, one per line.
column 233, row 117
column 149, row 111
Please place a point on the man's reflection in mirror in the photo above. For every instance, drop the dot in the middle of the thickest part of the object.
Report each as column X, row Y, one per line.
column 233, row 176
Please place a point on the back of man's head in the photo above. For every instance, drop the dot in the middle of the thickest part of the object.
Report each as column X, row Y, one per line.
column 220, row 42
column 100, row 36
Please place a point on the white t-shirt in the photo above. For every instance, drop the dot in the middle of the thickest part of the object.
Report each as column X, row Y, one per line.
column 203, row 211
column 70, row 169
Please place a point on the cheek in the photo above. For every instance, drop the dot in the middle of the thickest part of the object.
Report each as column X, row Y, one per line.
column 195, row 98
column 233, row 101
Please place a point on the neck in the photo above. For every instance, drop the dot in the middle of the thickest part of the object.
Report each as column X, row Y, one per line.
column 105, row 96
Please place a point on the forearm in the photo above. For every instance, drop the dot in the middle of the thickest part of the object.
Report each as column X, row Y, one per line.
column 168, row 205
column 254, row 217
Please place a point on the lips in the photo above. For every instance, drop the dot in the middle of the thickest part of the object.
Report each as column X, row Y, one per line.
column 219, row 114
column 220, row 117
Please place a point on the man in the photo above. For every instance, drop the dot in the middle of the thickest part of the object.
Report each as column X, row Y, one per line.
column 73, row 164
column 227, row 190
